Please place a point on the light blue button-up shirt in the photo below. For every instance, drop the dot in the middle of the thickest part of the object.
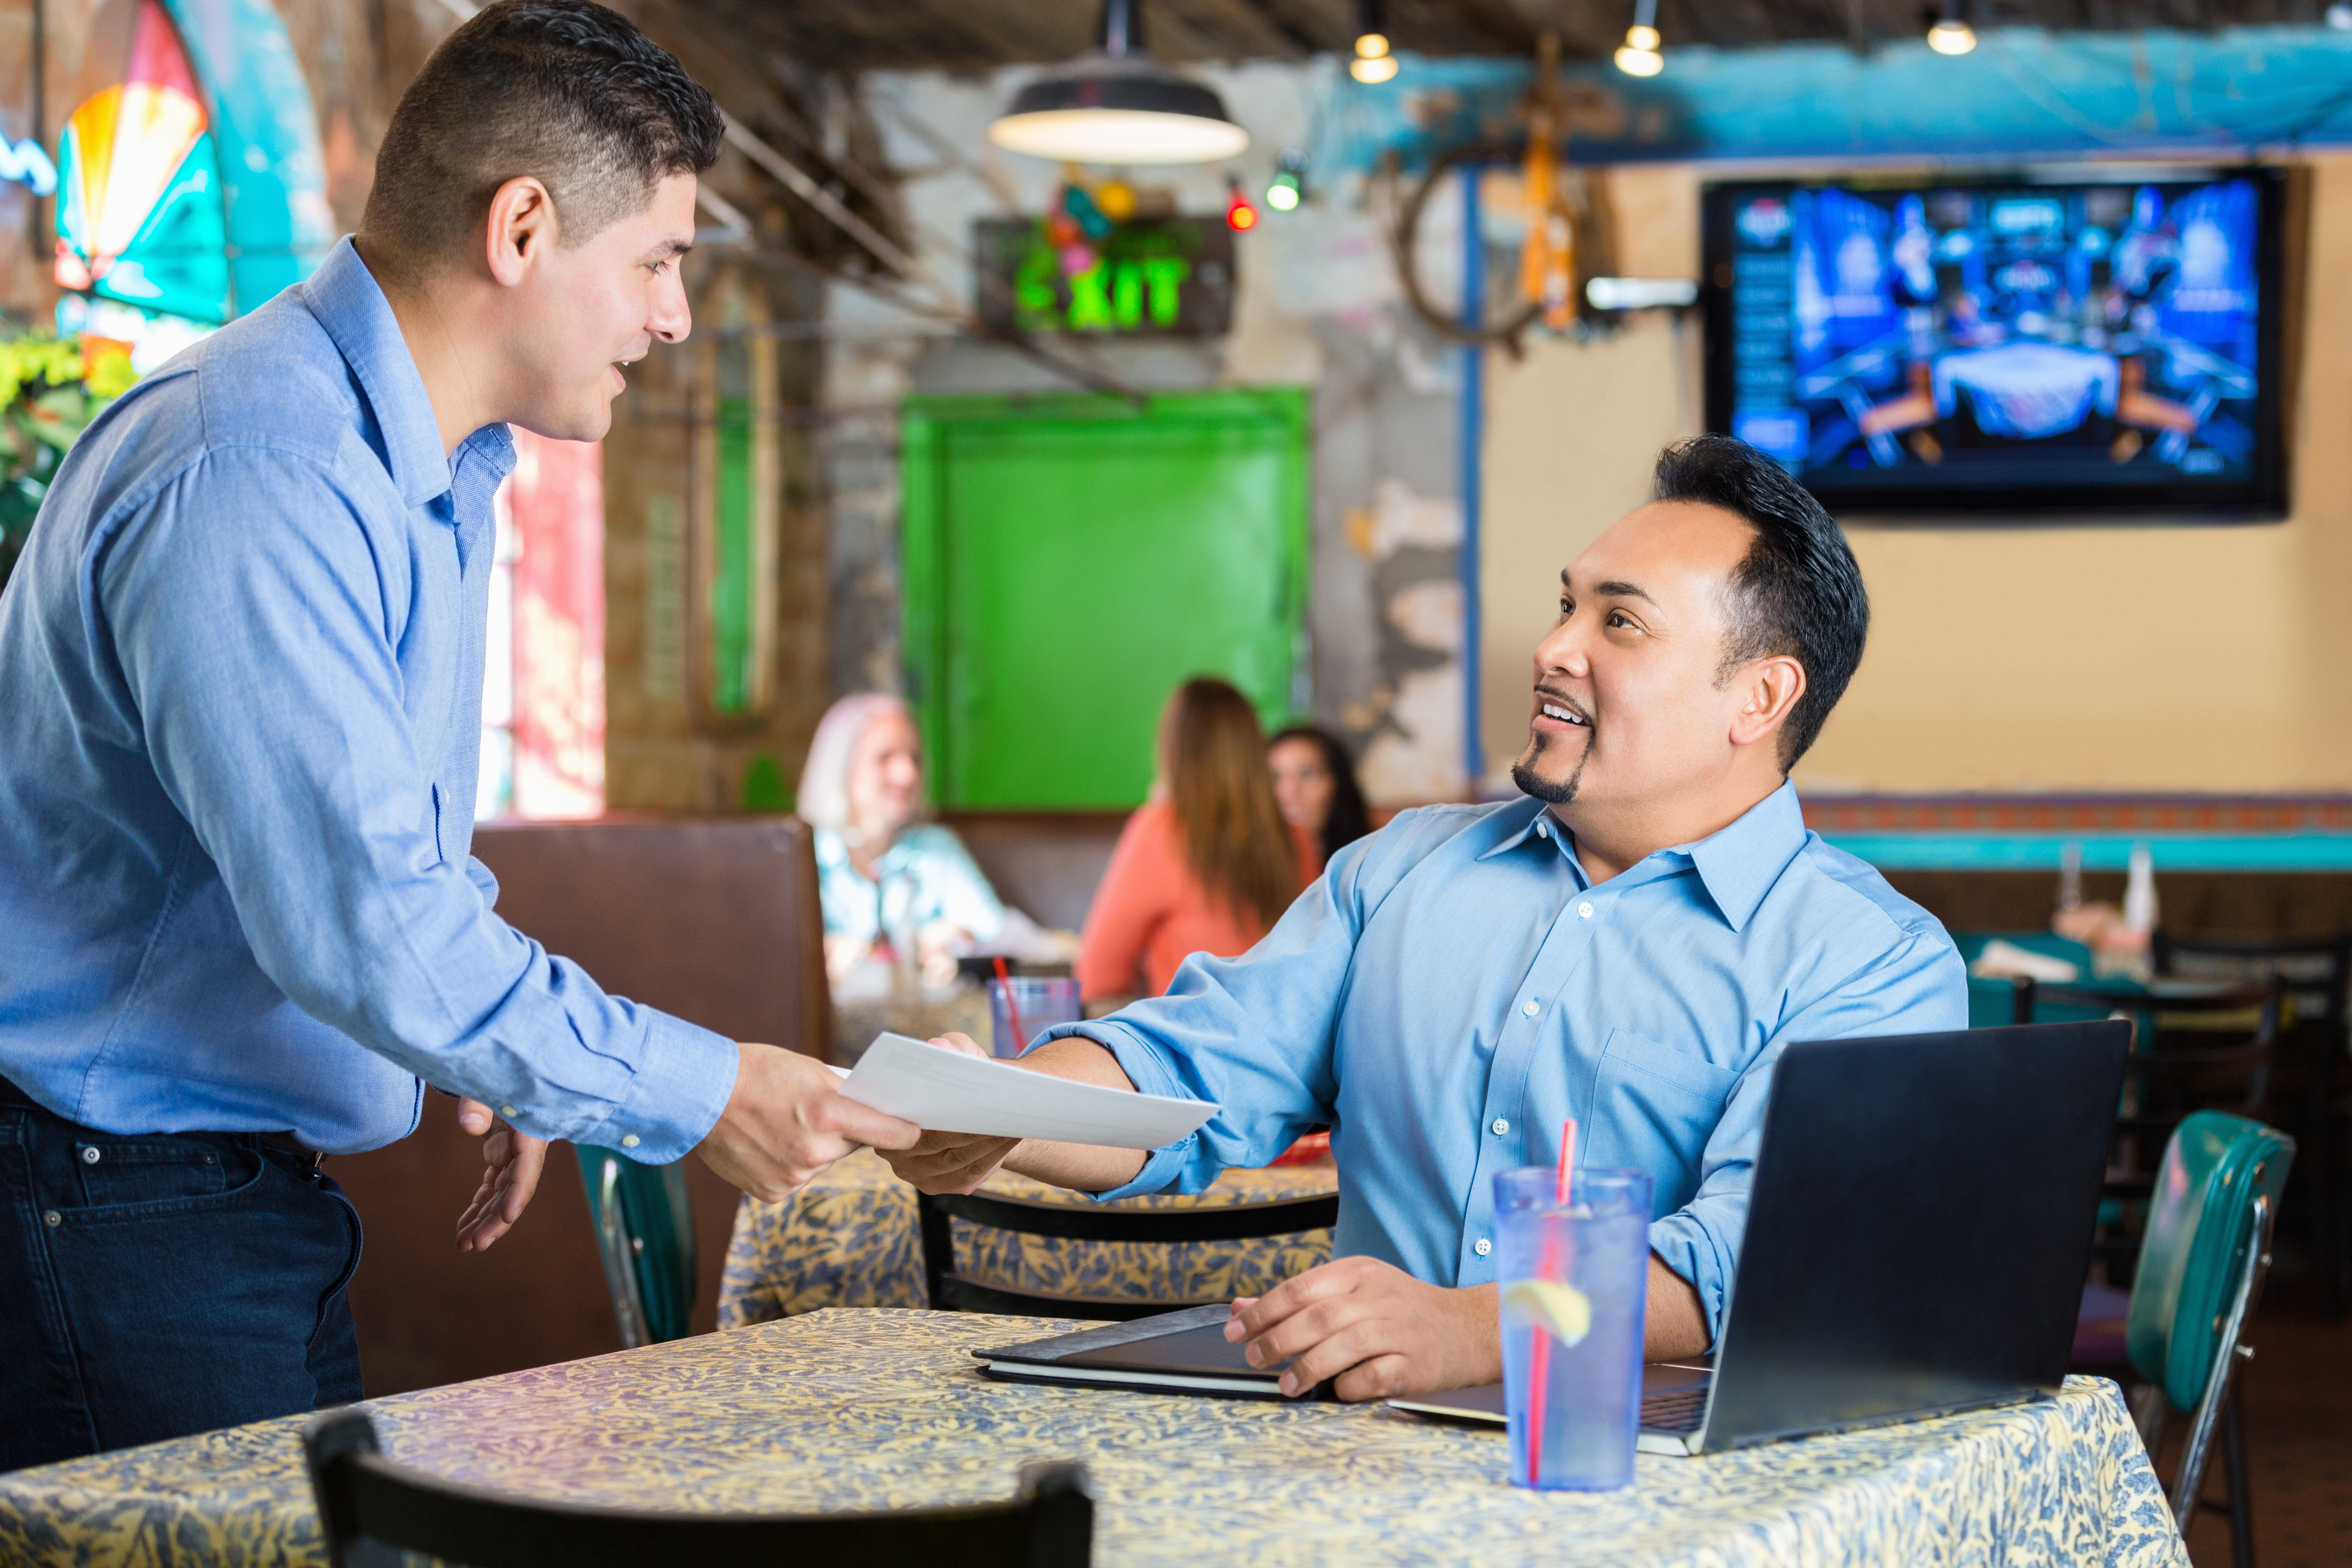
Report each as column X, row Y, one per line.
column 1456, row 986
column 240, row 712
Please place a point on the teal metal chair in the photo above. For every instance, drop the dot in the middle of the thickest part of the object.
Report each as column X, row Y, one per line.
column 645, row 1235
column 2201, row 1265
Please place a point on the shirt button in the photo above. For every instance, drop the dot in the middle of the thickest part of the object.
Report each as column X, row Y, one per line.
column 1584, row 911
column 1531, row 1007
column 1543, row 829
column 1502, row 1125
column 1482, row 1247
column 90, row 1154
column 629, row 1141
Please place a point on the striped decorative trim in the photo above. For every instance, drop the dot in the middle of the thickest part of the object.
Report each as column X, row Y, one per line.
column 2222, row 814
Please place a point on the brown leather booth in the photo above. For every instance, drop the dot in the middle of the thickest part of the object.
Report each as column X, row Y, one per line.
column 714, row 921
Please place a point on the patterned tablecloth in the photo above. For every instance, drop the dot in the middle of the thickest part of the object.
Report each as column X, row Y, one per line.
column 882, row 1409
column 849, row 1239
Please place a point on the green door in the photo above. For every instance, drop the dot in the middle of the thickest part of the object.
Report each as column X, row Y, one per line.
column 1070, row 560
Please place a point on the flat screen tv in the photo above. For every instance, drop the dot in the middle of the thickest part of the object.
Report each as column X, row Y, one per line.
column 2028, row 345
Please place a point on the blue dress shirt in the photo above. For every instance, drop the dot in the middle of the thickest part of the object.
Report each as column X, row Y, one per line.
column 240, row 711
column 1454, row 986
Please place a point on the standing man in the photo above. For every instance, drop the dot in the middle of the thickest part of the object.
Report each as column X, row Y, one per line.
column 240, row 698
column 1630, row 946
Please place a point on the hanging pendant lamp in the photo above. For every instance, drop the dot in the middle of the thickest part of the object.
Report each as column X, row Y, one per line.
column 1117, row 104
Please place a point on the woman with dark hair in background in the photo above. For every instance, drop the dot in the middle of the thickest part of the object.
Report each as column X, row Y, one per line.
column 1315, row 785
column 1206, row 864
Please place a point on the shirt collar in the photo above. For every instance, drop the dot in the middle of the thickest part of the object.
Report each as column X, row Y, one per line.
column 1741, row 863
column 346, row 301
column 1737, row 863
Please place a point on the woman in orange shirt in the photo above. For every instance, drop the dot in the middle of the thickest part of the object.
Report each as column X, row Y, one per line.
column 1206, row 864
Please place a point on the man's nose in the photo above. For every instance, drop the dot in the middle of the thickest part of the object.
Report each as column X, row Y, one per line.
column 1563, row 650
column 672, row 317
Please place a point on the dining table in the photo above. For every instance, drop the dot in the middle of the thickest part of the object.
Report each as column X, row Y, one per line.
column 879, row 1408
column 851, row 1239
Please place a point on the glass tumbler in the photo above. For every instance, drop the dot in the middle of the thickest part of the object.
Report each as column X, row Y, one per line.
column 1026, row 1006
column 1573, row 1285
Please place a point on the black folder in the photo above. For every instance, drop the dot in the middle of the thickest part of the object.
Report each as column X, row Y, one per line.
column 1183, row 1351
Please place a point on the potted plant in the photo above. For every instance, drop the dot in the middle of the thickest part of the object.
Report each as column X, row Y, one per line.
column 50, row 388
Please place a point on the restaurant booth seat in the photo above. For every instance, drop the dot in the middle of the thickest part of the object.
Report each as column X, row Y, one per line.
column 714, row 920
column 370, row 1509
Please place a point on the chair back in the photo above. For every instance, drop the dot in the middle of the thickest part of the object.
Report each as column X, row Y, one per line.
column 952, row 1291
column 645, row 1237
column 2208, row 1034
column 2215, row 1193
column 364, row 1499
column 2317, row 970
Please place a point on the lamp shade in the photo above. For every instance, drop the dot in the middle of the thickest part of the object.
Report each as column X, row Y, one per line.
column 1103, row 108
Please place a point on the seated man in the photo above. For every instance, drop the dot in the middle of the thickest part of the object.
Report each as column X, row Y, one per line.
column 1631, row 947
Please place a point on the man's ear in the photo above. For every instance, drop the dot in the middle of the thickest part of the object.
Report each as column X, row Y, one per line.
column 522, row 227
column 1769, row 690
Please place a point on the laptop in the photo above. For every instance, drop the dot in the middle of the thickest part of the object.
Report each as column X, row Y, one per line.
column 1917, row 1237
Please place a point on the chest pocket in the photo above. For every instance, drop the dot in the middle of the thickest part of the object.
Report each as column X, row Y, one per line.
column 1653, row 1109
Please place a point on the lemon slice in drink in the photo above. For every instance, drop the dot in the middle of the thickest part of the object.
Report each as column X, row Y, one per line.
column 1562, row 1311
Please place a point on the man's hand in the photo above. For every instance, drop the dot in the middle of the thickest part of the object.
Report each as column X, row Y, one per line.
column 1373, row 1327
column 786, row 1121
column 950, row 1161
column 513, row 1161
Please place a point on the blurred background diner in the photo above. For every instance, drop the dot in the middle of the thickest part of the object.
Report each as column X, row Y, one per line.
column 894, row 888
column 920, row 624
column 1206, row 864
column 1315, row 785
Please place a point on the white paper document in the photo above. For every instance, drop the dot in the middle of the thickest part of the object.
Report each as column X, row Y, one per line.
column 943, row 1091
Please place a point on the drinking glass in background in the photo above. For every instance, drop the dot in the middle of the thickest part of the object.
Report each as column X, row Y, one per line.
column 1573, row 1284
column 1036, row 1004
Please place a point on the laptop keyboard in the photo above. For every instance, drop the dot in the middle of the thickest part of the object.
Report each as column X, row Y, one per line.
column 1678, row 1410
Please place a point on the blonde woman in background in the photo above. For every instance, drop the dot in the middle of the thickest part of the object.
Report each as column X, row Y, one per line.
column 1206, row 864
column 885, row 876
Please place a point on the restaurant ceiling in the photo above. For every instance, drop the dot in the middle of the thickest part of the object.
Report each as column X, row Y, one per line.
column 971, row 34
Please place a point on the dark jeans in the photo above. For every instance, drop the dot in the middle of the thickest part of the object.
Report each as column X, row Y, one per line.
column 163, row 1284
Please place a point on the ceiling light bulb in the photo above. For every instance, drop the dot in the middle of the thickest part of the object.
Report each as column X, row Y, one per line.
column 1373, row 72
column 1640, row 57
column 1282, row 198
column 1951, row 37
column 1372, row 46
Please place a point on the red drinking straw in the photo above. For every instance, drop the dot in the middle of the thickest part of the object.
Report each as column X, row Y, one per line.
column 1539, row 1354
column 1012, row 1008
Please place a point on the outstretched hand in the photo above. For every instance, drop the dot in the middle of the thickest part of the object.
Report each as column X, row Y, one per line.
column 512, row 1162
column 787, row 1120
column 950, row 1161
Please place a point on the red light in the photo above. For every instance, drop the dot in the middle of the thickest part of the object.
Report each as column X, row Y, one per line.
column 1239, row 213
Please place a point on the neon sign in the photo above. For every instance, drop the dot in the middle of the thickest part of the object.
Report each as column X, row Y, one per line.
column 1166, row 276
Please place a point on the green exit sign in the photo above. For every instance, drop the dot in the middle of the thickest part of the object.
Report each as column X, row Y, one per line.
column 1162, row 277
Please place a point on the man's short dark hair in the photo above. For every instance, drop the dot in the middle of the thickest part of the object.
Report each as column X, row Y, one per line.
column 564, row 90
column 1797, row 592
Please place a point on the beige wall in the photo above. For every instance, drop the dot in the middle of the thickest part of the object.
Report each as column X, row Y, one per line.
column 2115, row 657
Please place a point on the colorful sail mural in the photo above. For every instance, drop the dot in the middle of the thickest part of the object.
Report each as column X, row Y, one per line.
column 139, row 213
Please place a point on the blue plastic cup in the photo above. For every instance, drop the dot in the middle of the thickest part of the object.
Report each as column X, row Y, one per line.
column 1573, row 1287
column 1041, row 1003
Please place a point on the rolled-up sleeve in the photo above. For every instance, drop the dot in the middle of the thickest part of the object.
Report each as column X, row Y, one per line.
column 256, row 631
column 1254, row 1033
column 1918, row 987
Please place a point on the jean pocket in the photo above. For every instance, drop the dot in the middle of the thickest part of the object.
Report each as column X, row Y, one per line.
column 128, row 1176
